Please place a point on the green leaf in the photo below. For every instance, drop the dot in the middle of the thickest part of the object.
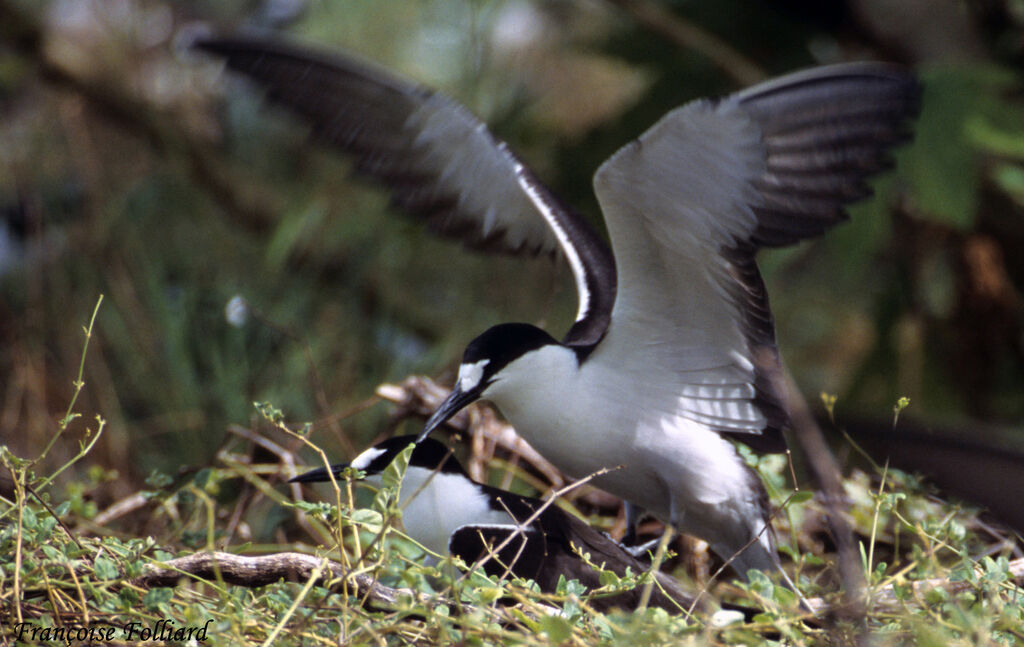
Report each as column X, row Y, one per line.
column 52, row 553
column 106, row 569
column 29, row 519
column 202, row 477
column 158, row 480
column 936, row 595
column 155, row 597
column 128, row 598
column 557, row 628
column 391, row 480
column 46, row 525
column 488, row 594
column 608, row 578
column 393, row 474
column 574, row 587
column 269, row 412
column 560, row 588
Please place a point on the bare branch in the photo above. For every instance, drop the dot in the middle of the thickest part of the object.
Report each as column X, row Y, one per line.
column 242, row 570
column 262, row 570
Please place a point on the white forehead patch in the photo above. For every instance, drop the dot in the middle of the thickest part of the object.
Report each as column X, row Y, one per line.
column 471, row 374
column 362, row 461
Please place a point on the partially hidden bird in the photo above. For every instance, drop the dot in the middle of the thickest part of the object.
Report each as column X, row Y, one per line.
column 506, row 534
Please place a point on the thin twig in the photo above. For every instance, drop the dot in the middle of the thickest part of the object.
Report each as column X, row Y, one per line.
column 826, row 469
column 655, row 18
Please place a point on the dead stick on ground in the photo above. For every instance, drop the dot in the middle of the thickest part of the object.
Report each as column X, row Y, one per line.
column 266, row 569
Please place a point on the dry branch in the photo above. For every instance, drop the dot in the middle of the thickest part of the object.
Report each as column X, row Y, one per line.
column 266, row 569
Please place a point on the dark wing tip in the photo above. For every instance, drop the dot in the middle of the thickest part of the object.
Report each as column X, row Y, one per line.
column 826, row 131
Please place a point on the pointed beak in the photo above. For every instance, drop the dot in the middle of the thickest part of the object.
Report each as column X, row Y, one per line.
column 319, row 475
column 454, row 403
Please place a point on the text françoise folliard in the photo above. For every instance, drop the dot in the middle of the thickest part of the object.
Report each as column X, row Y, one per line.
column 131, row 631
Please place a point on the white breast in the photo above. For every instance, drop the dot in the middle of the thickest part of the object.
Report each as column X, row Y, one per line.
column 598, row 415
column 434, row 504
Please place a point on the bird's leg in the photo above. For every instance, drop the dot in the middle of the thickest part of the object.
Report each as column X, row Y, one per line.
column 642, row 550
column 633, row 513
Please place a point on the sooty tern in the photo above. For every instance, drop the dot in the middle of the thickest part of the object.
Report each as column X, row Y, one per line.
column 448, row 513
column 672, row 355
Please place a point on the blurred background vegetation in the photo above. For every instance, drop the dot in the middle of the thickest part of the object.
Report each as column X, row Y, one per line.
column 239, row 263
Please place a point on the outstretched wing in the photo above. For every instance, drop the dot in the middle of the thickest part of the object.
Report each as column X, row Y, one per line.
column 690, row 202
column 437, row 159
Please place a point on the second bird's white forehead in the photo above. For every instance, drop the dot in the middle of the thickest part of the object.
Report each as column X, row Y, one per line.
column 362, row 461
column 471, row 374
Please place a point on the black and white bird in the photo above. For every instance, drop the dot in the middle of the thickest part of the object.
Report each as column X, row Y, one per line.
column 672, row 357
column 448, row 513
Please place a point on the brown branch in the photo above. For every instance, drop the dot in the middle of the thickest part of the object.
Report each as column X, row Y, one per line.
column 242, row 570
column 254, row 571
column 824, row 466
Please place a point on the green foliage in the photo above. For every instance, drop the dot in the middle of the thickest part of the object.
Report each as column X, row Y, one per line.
column 916, row 549
column 940, row 544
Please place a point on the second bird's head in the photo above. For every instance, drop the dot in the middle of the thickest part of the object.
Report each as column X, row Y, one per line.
column 427, row 457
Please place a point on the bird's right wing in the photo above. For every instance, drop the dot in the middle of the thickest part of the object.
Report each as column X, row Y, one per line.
column 437, row 159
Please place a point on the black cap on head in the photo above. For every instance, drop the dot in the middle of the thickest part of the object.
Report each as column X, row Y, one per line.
column 504, row 343
column 429, row 454
column 485, row 357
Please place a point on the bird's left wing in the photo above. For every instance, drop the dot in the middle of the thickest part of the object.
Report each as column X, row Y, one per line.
column 690, row 202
